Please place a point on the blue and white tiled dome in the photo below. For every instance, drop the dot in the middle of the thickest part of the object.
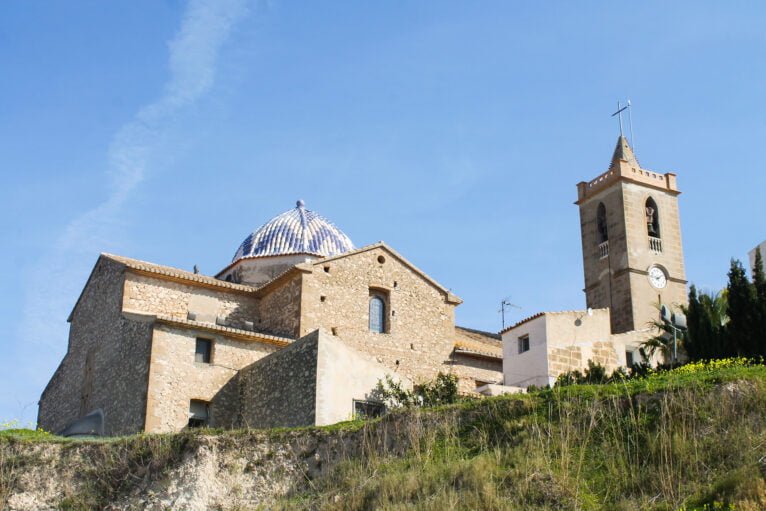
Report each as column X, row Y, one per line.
column 297, row 231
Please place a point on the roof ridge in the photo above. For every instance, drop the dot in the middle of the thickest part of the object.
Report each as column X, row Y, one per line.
column 171, row 271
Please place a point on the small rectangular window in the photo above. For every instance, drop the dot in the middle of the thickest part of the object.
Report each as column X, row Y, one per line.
column 629, row 361
column 199, row 413
column 523, row 343
column 368, row 409
column 203, row 351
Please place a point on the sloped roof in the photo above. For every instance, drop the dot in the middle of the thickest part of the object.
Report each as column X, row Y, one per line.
column 623, row 151
column 380, row 244
column 478, row 342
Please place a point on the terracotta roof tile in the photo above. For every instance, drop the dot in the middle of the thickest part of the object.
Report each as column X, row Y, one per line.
column 169, row 271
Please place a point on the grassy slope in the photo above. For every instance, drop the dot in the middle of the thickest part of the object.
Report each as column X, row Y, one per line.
column 690, row 439
column 687, row 439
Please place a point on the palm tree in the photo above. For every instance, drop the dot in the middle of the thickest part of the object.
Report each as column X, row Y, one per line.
column 662, row 342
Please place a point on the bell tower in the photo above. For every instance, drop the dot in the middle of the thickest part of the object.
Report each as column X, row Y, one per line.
column 631, row 241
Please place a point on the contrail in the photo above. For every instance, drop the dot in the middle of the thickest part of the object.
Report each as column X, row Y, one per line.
column 53, row 282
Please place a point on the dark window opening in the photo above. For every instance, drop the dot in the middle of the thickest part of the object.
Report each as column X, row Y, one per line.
column 523, row 343
column 603, row 231
column 381, row 259
column 652, row 218
column 629, row 360
column 199, row 413
column 327, row 269
column 203, row 351
column 368, row 409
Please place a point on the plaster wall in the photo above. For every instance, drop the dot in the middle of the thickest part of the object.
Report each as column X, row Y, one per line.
column 751, row 256
column 530, row 367
column 343, row 376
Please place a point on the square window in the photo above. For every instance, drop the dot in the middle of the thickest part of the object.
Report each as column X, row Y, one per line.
column 368, row 409
column 523, row 343
column 199, row 413
column 203, row 351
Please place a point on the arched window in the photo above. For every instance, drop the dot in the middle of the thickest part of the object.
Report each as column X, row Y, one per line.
column 377, row 314
column 652, row 218
column 603, row 233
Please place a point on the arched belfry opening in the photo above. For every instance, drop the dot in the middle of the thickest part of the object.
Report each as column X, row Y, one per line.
column 603, row 231
column 652, row 218
column 653, row 225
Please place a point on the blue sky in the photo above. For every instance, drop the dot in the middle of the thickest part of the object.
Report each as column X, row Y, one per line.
column 454, row 131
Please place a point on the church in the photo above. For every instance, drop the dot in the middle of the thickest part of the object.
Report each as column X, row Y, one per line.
column 300, row 327
column 297, row 330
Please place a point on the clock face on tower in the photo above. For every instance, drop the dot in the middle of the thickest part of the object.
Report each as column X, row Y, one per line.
column 657, row 277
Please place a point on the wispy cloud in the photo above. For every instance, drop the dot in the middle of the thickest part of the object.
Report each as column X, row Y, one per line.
column 53, row 283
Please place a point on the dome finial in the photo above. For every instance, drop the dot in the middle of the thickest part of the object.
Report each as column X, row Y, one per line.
column 300, row 203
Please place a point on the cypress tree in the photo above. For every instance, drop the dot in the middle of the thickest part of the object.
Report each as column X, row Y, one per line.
column 696, row 341
column 759, row 283
column 741, row 329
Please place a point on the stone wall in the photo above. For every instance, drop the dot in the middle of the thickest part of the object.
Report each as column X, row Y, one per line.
column 473, row 371
column 601, row 290
column 151, row 295
column 420, row 321
column 620, row 280
column 117, row 353
column 279, row 309
column 175, row 378
column 280, row 390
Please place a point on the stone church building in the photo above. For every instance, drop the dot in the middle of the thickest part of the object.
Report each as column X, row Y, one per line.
column 301, row 326
column 297, row 330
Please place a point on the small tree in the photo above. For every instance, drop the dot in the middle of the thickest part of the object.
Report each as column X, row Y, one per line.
column 440, row 391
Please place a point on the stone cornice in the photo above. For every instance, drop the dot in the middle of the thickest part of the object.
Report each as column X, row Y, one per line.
column 231, row 333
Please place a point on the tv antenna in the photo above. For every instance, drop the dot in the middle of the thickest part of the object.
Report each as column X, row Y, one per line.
column 505, row 303
column 618, row 113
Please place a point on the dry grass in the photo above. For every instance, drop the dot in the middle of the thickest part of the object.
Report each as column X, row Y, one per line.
column 686, row 447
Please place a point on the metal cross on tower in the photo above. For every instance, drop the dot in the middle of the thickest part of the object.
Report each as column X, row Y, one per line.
column 618, row 113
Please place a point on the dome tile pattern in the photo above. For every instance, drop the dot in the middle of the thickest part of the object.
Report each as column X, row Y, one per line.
column 297, row 231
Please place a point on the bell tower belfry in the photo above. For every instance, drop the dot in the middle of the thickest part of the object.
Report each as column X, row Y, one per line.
column 631, row 241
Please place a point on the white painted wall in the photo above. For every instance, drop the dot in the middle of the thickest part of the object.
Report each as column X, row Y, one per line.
column 343, row 375
column 530, row 367
column 762, row 246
